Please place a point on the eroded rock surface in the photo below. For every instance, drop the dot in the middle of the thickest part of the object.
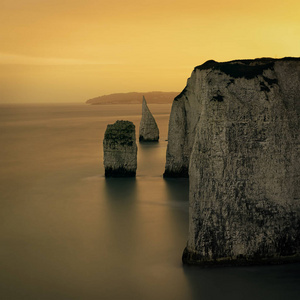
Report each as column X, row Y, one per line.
column 235, row 128
column 120, row 150
column 148, row 128
column 215, row 81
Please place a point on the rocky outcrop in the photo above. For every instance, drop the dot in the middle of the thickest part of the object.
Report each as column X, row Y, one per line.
column 235, row 128
column 120, row 150
column 148, row 128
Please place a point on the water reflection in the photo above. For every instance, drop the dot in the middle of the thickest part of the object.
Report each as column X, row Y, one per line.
column 151, row 157
column 121, row 190
column 263, row 282
column 143, row 232
column 120, row 197
column 178, row 191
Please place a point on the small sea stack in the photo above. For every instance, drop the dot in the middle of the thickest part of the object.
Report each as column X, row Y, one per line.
column 120, row 150
column 148, row 128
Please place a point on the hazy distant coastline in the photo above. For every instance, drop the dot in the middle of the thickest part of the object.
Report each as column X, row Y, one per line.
column 134, row 98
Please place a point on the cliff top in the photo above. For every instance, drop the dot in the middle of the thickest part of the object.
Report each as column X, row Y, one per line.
column 123, row 131
column 247, row 68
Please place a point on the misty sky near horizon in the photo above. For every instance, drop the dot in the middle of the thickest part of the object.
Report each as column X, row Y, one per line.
column 73, row 50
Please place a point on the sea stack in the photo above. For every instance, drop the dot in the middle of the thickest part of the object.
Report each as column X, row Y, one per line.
column 235, row 129
column 120, row 150
column 148, row 128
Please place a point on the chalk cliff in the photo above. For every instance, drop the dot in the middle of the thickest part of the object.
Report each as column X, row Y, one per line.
column 211, row 80
column 148, row 127
column 235, row 130
column 120, row 150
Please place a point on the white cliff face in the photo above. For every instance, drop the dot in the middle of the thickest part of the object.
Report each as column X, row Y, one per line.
column 184, row 117
column 241, row 139
column 148, row 127
column 120, row 150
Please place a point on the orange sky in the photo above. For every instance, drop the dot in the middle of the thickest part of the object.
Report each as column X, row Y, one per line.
column 73, row 50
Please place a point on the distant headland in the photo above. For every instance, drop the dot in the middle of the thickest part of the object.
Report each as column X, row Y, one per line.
column 134, row 98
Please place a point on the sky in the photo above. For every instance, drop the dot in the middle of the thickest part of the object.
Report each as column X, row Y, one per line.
column 74, row 50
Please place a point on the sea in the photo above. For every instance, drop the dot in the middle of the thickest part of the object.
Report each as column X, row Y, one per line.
column 67, row 232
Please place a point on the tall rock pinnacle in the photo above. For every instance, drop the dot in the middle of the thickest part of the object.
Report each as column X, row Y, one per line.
column 148, row 127
column 120, row 150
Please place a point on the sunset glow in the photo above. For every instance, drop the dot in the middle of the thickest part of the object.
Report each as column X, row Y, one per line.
column 73, row 50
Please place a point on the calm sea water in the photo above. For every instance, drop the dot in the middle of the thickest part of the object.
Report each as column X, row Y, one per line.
column 66, row 232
